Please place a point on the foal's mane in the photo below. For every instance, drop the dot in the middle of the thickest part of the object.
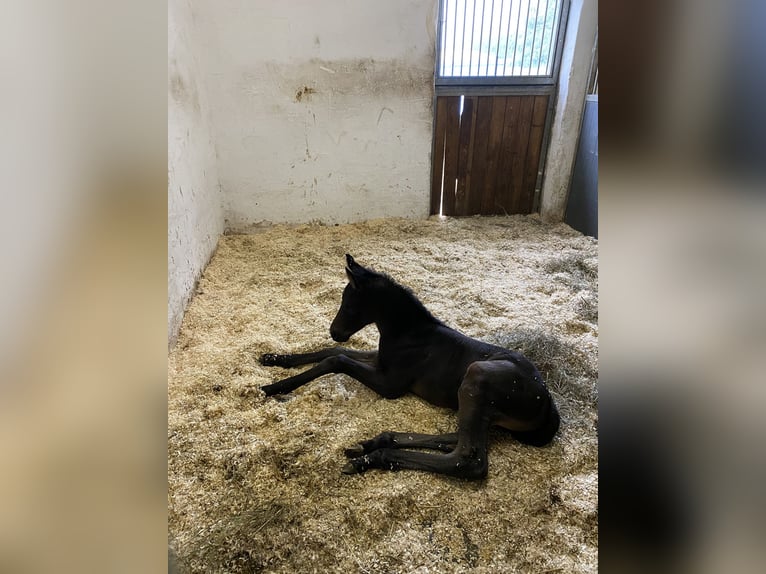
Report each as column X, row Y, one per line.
column 389, row 285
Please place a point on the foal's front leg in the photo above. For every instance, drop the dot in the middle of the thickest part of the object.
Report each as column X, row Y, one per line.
column 363, row 371
column 297, row 359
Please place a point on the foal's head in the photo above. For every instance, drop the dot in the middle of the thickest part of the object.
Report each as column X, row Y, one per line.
column 357, row 305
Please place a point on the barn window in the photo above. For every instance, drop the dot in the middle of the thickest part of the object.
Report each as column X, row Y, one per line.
column 497, row 65
column 496, row 40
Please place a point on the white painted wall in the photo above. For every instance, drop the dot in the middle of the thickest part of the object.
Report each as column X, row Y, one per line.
column 322, row 110
column 570, row 103
column 195, row 212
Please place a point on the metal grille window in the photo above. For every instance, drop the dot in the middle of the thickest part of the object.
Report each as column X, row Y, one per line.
column 497, row 64
column 508, row 39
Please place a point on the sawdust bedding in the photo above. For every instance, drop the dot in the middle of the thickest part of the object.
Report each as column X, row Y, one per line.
column 254, row 483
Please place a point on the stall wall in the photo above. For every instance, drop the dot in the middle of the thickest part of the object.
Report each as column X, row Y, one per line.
column 322, row 110
column 195, row 212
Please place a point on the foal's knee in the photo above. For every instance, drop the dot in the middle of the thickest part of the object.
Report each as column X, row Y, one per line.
column 475, row 371
column 334, row 363
column 473, row 381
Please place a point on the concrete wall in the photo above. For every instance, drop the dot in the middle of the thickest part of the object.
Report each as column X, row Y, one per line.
column 322, row 110
column 195, row 213
column 565, row 129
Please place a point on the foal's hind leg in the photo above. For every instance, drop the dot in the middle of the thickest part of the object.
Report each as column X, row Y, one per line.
column 442, row 442
column 297, row 359
column 469, row 457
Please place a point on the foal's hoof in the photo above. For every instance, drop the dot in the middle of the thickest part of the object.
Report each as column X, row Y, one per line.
column 354, row 451
column 272, row 390
column 359, row 465
column 356, row 466
column 270, row 360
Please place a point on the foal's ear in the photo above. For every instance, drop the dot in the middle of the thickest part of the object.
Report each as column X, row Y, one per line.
column 354, row 271
column 350, row 263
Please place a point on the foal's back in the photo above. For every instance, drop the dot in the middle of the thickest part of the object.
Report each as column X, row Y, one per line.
column 438, row 362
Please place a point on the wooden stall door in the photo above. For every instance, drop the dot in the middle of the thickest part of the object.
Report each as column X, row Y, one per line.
column 486, row 159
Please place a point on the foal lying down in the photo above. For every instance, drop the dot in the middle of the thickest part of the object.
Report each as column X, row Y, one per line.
column 417, row 353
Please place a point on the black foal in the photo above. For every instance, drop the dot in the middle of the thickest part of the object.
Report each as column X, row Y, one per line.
column 488, row 385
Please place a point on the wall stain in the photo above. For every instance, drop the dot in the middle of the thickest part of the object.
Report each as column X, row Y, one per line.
column 185, row 96
column 178, row 88
column 305, row 91
column 402, row 78
column 183, row 91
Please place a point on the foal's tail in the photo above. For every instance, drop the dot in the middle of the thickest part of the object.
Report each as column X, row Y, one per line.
column 545, row 433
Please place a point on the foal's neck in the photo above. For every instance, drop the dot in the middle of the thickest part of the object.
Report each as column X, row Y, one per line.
column 400, row 311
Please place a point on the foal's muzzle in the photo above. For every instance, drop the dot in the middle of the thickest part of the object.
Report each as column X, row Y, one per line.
column 338, row 336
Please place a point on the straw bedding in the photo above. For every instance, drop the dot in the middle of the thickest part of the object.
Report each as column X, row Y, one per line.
column 254, row 483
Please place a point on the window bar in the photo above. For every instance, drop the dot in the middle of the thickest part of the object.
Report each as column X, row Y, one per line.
column 462, row 40
column 491, row 32
column 499, row 35
column 481, row 39
column 470, row 54
column 542, row 42
column 524, row 44
column 507, row 37
column 499, row 32
column 445, row 6
column 553, row 38
column 534, row 37
column 541, row 19
column 556, row 17
column 516, row 40
column 443, row 40
column 533, row 21
column 445, row 53
column 454, row 34
column 491, row 22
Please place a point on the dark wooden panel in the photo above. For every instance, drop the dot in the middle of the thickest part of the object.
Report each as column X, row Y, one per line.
column 486, row 160
column 519, row 152
column 504, row 186
column 465, row 153
column 539, row 111
column 534, row 146
column 494, row 145
column 478, row 160
column 437, row 163
column 451, row 154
